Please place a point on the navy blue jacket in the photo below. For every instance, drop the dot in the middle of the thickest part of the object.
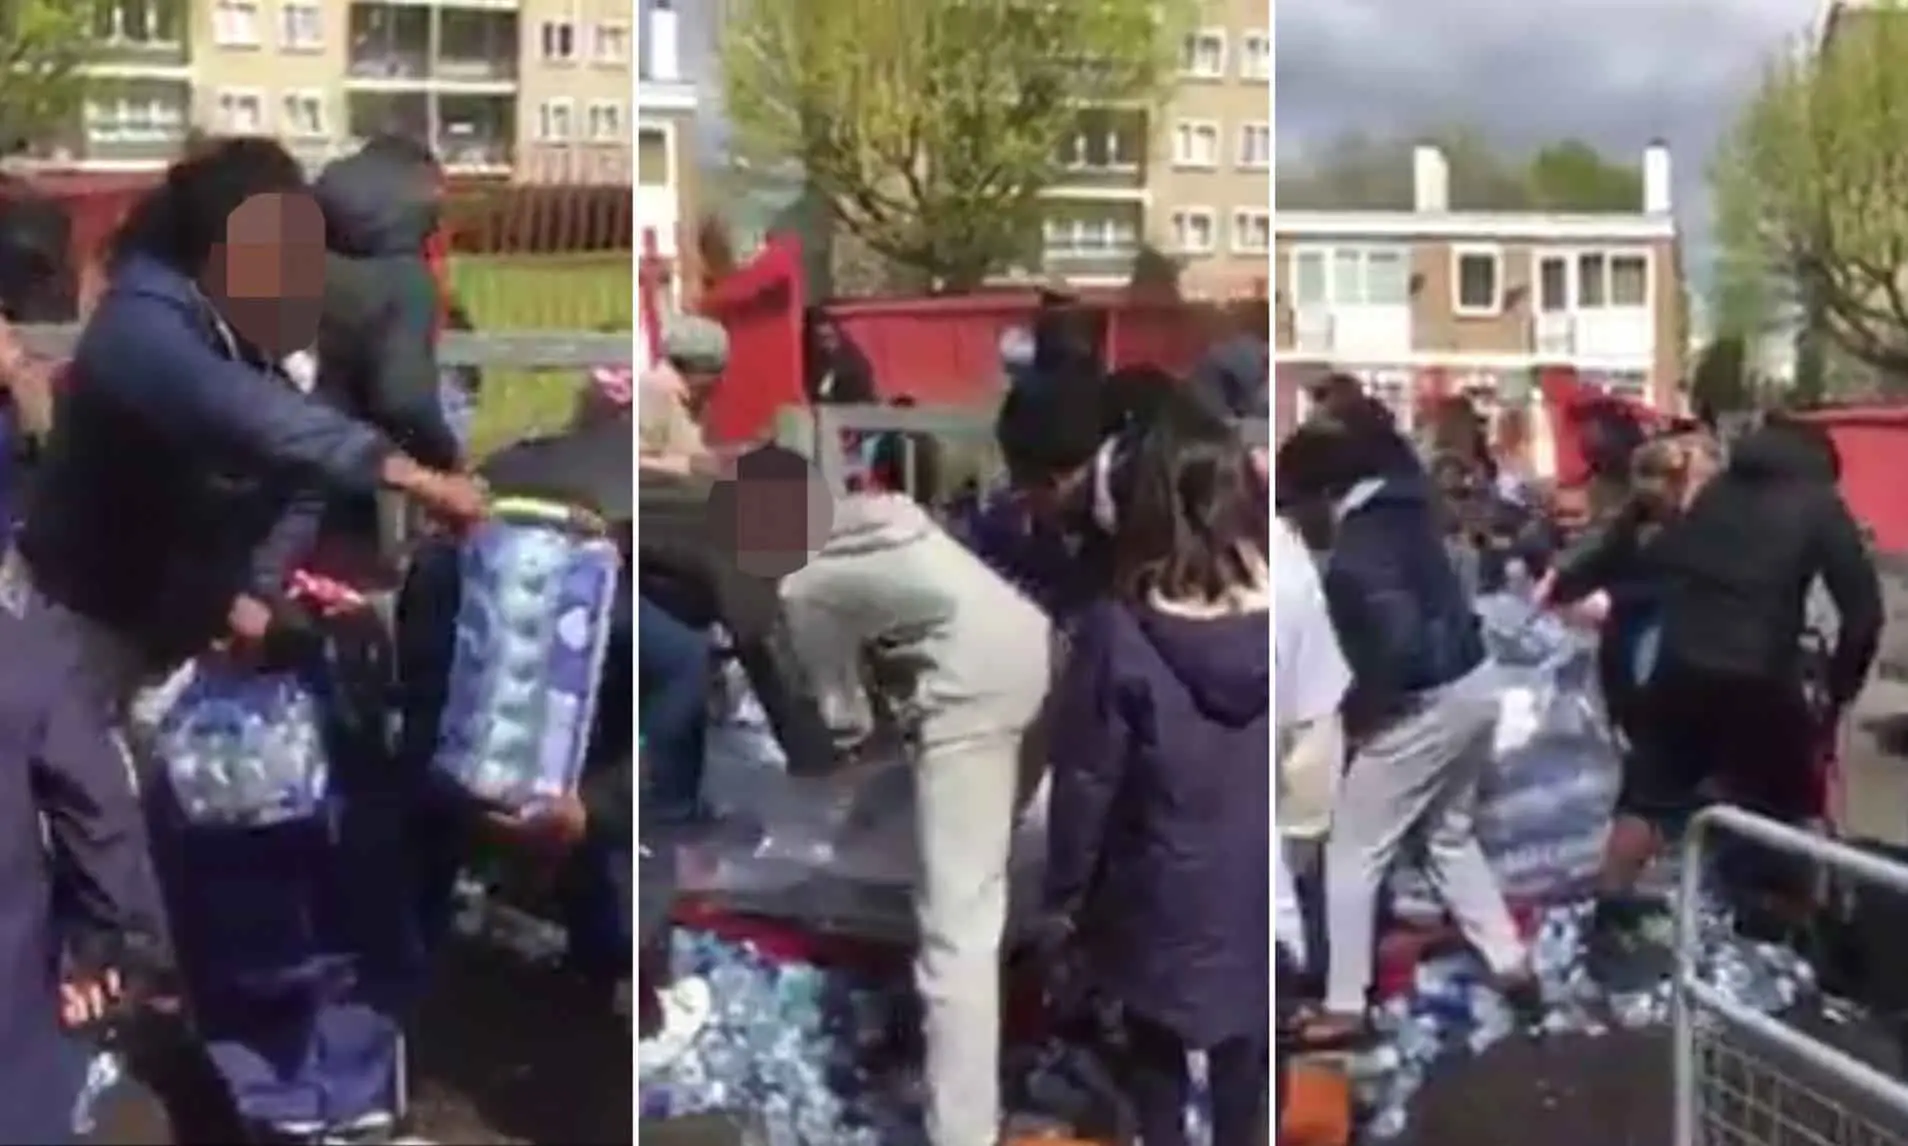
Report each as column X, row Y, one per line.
column 1400, row 610
column 1160, row 817
column 178, row 475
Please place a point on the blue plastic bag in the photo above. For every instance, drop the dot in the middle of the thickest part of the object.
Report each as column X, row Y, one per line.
column 244, row 749
column 533, row 626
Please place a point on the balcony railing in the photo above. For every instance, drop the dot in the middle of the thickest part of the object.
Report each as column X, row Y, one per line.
column 1111, row 176
column 1092, row 259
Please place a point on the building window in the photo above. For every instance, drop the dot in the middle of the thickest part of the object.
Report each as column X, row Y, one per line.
column 1478, row 280
column 303, row 115
column 1351, row 276
column 1608, row 279
column 1204, row 54
column 556, row 120
column 609, row 43
column 1095, row 236
column 1255, row 146
column 235, row 24
column 241, row 112
column 1255, row 56
column 652, row 157
column 606, row 121
column 1251, row 231
column 146, row 23
column 559, row 41
column 1196, row 143
column 127, row 120
column 1193, row 231
column 301, row 26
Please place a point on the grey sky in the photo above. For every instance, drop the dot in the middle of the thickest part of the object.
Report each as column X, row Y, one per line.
column 1618, row 73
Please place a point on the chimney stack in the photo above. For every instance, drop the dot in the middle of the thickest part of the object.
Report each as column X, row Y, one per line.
column 1430, row 180
column 1657, row 197
column 661, row 45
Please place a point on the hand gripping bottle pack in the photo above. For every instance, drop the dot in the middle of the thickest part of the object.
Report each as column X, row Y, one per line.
column 244, row 749
column 539, row 584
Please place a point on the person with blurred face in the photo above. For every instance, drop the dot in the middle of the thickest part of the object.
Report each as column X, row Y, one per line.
column 176, row 490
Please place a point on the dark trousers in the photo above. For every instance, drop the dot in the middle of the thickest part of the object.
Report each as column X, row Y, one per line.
column 1158, row 1085
column 672, row 674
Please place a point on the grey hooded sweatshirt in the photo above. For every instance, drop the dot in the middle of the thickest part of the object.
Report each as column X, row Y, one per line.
column 892, row 605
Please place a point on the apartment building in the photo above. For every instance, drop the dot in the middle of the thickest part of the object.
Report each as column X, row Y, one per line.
column 665, row 134
column 1192, row 179
column 1475, row 301
column 536, row 90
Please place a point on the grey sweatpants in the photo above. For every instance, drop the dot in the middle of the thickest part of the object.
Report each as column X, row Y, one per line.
column 967, row 791
column 1414, row 785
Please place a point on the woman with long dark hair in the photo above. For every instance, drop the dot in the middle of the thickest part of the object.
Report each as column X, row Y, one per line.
column 181, row 478
column 1160, row 847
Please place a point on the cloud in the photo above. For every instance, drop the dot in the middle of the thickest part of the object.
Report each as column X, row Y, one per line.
column 1617, row 73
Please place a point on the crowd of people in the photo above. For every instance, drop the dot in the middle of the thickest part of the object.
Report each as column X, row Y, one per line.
column 1694, row 567
column 200, row 484
column 259, row 373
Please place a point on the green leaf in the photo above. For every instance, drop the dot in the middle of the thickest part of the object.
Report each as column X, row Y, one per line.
column 45, row 46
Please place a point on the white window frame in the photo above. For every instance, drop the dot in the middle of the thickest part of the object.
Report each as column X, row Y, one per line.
column 285, row 41
column 1186, row 215
column 289, row 123
column 1188, row 64
column 1329, row 253
column 167, row 120
column 1251, row 218
column 1459, row 253
column 221, row 35
column 1196, row 127
column 621, row 114
column 1255, row 54
column 223, row 95
column 145, row 37
column 546, row 113
column 1245, row 134
column 616, row 59
column 1572, row 258
column 544, row 30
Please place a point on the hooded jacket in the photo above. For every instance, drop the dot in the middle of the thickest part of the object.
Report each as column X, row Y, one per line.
column 377, row 341
column 1400, row 609
column 175, row 468
column 1160, row 823
column 894, row 606
column 1731, row 574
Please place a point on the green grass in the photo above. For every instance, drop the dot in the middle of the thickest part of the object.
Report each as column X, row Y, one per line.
column 585, row 293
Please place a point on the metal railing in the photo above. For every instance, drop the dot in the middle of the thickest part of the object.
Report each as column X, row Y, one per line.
column 484, row 349
column 970, row 429
column 1745, row 1078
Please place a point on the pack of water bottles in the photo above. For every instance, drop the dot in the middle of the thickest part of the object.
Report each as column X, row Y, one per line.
column 539, row 588
column 243, row 749
column 1545, row 803
column 800, row 1048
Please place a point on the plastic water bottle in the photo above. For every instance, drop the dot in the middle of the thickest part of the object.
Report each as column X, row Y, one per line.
column 102, row 1075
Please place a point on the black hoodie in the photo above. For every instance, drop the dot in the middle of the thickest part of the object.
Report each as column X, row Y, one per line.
column 1735, row 569
column 377, row 341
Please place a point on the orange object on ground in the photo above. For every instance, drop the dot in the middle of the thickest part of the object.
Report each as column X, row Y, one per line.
column 1318, row 1106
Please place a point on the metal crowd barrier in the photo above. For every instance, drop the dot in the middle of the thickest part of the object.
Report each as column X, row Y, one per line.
column 500, row 350
column 802, row 428
column 1744, row 1078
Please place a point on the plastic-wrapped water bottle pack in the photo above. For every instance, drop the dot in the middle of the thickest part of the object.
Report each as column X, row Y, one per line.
column 244, row 749
column 792, row 1045
column 1452, row 1010
column 532, row 628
